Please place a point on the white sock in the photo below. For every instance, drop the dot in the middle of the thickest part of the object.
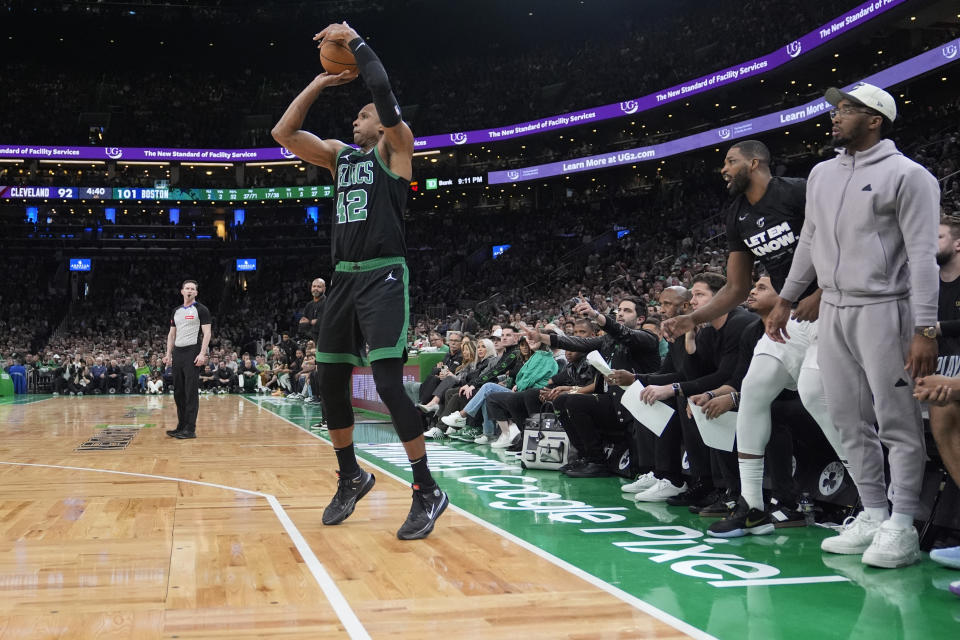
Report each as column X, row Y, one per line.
column 751, row 482
column 901, row 520
column 878, row 514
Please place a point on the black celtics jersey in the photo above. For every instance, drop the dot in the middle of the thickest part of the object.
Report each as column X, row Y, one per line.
column 368, row 208
column 770, row 229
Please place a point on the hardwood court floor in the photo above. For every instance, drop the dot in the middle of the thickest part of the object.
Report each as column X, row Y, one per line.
column 186, row 540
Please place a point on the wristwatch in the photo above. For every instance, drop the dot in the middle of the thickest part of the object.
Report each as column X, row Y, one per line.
column 926, row 332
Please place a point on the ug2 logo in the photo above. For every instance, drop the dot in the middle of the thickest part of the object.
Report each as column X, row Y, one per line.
column 724, row 133
column 286, row 153
column 458, row 138
column 629, row 107
column 114, row 153
column 513, row 174
column 794, row 49
column 950, row 51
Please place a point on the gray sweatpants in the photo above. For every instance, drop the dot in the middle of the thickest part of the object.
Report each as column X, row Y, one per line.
column 863, row 351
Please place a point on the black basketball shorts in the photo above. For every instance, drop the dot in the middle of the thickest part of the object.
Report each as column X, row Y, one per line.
column 366, row 315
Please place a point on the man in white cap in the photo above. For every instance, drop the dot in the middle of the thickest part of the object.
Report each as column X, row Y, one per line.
column 870, row 239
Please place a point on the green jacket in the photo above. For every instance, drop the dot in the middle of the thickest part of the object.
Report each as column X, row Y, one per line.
column 537, row 371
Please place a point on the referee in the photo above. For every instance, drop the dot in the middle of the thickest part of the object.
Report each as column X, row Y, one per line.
column 186, row 350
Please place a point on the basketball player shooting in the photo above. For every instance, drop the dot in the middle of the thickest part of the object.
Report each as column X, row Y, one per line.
column 367, row 304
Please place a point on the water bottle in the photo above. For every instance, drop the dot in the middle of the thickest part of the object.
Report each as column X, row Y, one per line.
column 805, row 506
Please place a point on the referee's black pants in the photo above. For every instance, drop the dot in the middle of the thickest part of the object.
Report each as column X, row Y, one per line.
column 186, row 387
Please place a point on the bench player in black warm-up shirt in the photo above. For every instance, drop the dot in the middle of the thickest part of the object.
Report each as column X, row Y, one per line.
column 187, row 344
column 367, row 302
column 764, row 220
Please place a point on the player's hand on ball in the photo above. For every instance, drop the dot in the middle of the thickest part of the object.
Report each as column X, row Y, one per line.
column 337, row 31
column 334, row 79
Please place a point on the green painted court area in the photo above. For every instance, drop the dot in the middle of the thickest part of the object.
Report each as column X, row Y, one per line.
column 24, row 399
column 762, row 587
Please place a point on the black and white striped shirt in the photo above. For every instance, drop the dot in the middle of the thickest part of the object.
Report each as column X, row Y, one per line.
column 188, row 321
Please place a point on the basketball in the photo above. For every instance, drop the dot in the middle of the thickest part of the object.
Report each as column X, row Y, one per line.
column 336, row 57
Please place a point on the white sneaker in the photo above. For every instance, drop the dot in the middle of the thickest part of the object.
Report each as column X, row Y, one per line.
column 855, row 537
column 434, row 432
column 451, row 430
column 660, row 491
column 506, row 437
column 454, row 420
column 483, row 439
column 892, row 547
column 642, row 483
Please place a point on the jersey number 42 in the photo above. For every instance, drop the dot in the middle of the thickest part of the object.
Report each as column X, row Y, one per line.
column 352, row 206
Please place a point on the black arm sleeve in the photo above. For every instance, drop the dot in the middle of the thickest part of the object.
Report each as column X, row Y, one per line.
column 375, row 77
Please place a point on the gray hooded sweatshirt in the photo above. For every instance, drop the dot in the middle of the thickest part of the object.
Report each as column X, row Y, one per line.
column 870, row 233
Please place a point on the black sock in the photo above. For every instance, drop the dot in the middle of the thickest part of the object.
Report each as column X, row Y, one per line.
column 421, row 473
column 347, row 460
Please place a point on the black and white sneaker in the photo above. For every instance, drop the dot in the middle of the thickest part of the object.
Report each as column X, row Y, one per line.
column 783, row 516
column 426, row 508
column 349, row 491
column 721, row 508
column 697, row 495
column 742, row 521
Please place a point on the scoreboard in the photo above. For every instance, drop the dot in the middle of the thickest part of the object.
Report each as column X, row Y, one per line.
column 56, row 193
column 137, row 193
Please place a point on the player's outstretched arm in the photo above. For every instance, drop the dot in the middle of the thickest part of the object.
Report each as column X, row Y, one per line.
column 735, row 291
column 397, row 136
column 303, row 144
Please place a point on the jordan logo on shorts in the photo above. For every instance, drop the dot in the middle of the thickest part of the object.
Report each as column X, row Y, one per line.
column 389, row 277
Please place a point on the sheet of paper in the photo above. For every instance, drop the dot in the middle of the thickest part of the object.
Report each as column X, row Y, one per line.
column 653, row 416
column 718, row 433
column 595, row 360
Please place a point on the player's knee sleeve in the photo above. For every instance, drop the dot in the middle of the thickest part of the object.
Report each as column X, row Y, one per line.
column 388, row 377
column 335, row 392
column 810, row 388
column 814, row 399
column 764, row 381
